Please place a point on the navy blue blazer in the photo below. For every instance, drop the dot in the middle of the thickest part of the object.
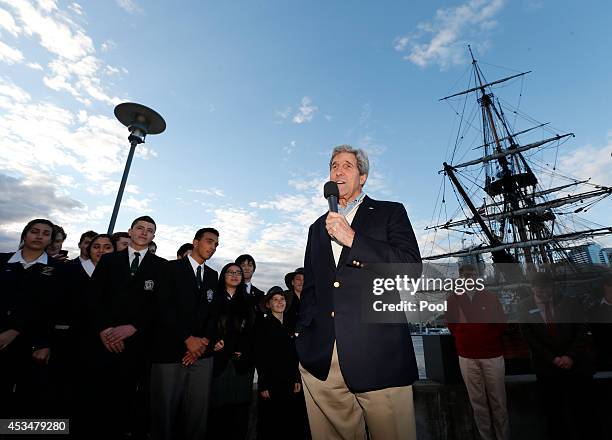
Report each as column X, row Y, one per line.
column 372, row 355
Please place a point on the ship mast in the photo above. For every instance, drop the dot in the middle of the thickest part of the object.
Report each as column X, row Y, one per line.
column 514, row 205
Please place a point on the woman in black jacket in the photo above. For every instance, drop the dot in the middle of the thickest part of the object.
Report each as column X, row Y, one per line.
column 233, row 363
column 28, row 286
column 278, row 376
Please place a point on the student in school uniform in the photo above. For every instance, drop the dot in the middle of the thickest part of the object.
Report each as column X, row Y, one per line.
column 183, row 339
column 125, row 286
column 27, row 279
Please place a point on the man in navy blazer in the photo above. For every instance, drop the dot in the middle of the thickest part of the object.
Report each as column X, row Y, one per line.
column 355, row 374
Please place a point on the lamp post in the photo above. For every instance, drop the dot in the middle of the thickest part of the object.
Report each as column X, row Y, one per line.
column 140, row 121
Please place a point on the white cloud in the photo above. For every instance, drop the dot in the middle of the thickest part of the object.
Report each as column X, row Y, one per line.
column 137, row 205
column 589, row 162
column 288, row 149
column 107, row 45
column 209, row 192
column 75, row 68
column 7, row 22
column 9, row 90
column 35, row 66
column 76, row 8
column 9, row 54
column 447, row 35
column 283, row 115
column 42, row 137
column 129, row 6
column 305, row 112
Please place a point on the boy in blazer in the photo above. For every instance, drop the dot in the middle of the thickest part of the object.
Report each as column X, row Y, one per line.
column 183, row 341
column 125, row 285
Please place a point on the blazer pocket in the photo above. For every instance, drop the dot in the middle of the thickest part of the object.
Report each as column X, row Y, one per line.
column 302, row 324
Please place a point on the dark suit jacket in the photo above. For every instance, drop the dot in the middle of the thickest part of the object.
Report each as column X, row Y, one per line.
column 570, row 337
column 27, row 298
column 72, row 314
column 372, row 356
column 275, row 356
column 183, row 310
column 125, row 299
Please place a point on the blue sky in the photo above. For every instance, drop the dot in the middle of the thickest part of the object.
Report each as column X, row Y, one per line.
column 256, row 93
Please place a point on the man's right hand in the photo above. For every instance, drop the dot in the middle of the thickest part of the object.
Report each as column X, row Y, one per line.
column 6, row 337
column 196, row 346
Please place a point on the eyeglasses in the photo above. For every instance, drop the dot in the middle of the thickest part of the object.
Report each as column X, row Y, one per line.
column 233, row 273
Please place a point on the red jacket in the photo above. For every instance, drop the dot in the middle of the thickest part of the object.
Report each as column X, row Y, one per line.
column 477, row 325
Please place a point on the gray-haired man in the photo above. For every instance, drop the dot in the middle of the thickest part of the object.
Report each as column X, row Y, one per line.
column 355, row 374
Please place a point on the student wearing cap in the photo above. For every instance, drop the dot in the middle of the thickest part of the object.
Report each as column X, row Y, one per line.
column 279, row 381
column 294, row 282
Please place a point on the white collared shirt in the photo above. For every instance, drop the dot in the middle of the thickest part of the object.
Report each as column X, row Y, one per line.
column 248, row 287
column 18, row 258
column 131, row 255
column 604, row 302
column 195, row 265
column 88, row 265
column 350, row 216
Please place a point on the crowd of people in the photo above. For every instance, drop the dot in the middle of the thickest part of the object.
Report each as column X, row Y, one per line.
column 127, row 344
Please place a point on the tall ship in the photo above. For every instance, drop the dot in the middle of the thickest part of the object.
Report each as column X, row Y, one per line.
column 502, row 198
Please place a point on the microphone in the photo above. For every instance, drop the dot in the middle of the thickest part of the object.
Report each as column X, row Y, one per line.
column 331, row 193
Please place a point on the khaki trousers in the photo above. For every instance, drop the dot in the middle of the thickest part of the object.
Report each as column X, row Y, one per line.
column 334, row 412
column 484, row 379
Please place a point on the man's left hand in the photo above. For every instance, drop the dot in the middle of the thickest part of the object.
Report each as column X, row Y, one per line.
column 338, row 228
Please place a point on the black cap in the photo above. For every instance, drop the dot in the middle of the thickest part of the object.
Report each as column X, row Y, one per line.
column 263, row 304
column 291, row 275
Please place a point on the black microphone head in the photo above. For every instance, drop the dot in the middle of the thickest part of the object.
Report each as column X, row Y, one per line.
column 331, row 189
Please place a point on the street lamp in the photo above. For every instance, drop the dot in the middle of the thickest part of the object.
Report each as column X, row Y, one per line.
column 140, row 121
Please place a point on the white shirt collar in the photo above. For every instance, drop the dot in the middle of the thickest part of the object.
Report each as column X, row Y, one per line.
column 142, row 252
column 87, row 265
column 18, row 258
column 195, row 264
column 605, row 302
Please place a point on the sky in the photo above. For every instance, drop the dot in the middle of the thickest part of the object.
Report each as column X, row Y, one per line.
column 255, row 95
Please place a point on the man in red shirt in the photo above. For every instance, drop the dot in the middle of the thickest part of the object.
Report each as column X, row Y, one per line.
column 476, row 320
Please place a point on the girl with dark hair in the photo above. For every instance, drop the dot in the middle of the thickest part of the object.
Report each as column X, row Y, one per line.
column 101, row 244
column 27, row 283
column 233, row 364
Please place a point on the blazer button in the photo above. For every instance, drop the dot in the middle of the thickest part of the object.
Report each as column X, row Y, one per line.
column 333, row 314
column 336, row 284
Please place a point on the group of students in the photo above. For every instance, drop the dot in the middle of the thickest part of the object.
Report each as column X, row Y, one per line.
column 127, row 344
